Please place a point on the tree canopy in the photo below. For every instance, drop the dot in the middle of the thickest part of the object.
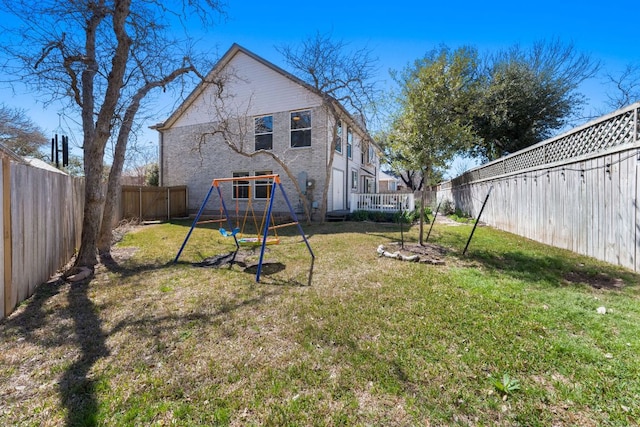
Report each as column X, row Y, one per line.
column 432, row 124
column 455, row 103
column 526, row 95
column 102, row 57
column 627, row 87
column 19, row 133
column 339, row 74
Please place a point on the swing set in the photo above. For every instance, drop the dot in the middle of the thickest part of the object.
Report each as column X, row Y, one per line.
column 267, row 222
column 239, row 230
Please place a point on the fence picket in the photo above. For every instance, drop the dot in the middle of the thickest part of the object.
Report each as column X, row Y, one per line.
column 586, row 199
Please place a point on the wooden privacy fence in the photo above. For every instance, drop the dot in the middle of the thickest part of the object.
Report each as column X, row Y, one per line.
column 153, row 203
column 41, row 224
column 579, row 191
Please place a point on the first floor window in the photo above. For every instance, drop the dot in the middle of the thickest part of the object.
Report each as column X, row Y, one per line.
column 301, row 128
column 354, row 180
column 263, row 130
column 240, row 187
column 263, row 186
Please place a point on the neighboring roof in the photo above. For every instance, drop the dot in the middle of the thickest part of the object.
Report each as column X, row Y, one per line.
column 383, row 176
column 222, row 63
column 37, row 163
column 6, row 151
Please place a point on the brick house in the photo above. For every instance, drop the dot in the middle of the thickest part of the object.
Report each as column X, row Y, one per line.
column 263, row 107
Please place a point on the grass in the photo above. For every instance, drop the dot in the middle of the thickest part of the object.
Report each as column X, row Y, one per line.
column 507, row 335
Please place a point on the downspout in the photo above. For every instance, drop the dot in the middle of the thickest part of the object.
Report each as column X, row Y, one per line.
column 160, row 159
column 347, row 190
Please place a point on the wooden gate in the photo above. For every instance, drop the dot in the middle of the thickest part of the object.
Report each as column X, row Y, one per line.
column 153, row 203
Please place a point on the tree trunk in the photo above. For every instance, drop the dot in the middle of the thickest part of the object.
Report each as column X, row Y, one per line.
column 97, row 131
column 111, row 198
column 423, row 199
column 93, row 203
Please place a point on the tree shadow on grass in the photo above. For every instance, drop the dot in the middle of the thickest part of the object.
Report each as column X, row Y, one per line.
column 48, row 327
column 75, row 387
column 555, row 270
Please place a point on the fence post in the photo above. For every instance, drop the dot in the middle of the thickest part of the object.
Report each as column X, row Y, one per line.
column 168, row 203
column 7, row 238
column 140, row 202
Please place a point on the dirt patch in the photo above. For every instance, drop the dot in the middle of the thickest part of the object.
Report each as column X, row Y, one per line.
column 598, row 280
column 428, row 253
column 120, row 255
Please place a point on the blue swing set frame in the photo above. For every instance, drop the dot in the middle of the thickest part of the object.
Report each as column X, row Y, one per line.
column 275, row 184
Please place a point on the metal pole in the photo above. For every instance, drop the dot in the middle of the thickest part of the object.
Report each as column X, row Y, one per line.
column 226, row 213
column 265, row 232
column 195, row 221
column 295, row 219
column 477, row 220
column 401, row 220
column 434, row 221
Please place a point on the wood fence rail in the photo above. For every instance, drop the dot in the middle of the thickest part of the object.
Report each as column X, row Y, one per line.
column 41, row 224
column 153, row 203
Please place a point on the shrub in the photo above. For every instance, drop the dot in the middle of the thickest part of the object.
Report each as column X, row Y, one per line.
column 447, row 207
column 375, row 216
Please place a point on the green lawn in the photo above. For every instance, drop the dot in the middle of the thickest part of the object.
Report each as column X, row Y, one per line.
column 507, row 335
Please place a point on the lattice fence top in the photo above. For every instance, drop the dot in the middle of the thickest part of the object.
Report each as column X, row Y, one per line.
column 618, row 128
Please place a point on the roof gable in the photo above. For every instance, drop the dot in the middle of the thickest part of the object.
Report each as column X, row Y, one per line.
column 253, row 86
column 260, row 87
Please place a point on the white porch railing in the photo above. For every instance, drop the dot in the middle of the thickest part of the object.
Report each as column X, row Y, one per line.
column 392, row 202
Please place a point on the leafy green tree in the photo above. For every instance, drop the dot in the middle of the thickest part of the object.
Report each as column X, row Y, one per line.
column 20, row 134
column 433, row 121
column 152, row 177
column 526, row 95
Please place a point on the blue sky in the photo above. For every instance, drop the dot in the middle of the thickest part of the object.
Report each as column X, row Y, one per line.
column 399, row 33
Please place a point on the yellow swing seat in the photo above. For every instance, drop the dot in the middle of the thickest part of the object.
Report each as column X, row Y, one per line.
column 257, row 241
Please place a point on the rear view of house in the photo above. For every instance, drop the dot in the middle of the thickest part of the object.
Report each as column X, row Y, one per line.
column 251, row 118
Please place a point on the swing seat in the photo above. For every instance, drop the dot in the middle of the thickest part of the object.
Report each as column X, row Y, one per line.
column 257, row 241
column 226, row 233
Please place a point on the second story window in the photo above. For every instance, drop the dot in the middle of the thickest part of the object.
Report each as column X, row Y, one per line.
column 301, row 128
column 263, row 131
column 349, row 143
column 339, row 137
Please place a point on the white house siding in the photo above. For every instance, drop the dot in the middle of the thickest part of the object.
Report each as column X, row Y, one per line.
column 253, row 89
column 342, row 162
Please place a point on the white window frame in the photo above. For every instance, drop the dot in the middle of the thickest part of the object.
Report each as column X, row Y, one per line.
column 305, row 129
column 257, row 134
